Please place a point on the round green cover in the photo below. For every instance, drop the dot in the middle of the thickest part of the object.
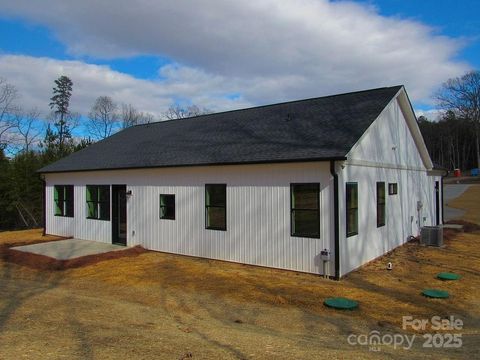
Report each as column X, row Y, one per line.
column 341, row 303
column 435, row 293
column 448, row 276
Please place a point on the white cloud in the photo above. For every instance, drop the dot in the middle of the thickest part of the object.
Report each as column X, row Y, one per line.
column 268, row 50
column 430, row 114
column 34, row 79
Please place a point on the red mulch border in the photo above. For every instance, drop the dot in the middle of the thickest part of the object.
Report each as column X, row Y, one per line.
column 42, row 262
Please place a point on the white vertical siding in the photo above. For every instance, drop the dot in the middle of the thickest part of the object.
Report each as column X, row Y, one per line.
column 386, row 153
column 258, row 212
column 402, row 218
column 59, row 225
column 388, row 141
column 78, row 226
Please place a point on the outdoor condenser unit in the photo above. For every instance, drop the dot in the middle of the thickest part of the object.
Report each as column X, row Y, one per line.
column 431, row 235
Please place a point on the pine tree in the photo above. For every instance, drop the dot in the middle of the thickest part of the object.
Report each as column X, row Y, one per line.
column 60, row 102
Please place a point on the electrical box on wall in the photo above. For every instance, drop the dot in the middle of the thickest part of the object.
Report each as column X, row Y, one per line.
column 325, row 255
column 419, row 205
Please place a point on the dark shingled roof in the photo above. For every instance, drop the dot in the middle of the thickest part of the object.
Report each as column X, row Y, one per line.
column 314, row 129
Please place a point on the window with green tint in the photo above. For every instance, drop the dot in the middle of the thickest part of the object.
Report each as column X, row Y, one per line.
column 216, row 206
column 305, row 210
column 63, row 198
column 167, row 207
column 98, row 202
column 352, row 208
column 381, row 208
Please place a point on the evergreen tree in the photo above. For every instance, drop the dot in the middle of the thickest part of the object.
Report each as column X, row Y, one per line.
column 60, row 102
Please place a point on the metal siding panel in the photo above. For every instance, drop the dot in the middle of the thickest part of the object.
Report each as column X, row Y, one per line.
column 56, row 225
column 258, row 212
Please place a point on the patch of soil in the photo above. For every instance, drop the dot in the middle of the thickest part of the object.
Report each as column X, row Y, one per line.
column 449, row 234
column 42, row 262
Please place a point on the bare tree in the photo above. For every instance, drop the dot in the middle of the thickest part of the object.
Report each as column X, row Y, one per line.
column 179, row 112
column 130, row 116
column 8, row 95
column 27, row 128
column 103, row 118
column 461, row 95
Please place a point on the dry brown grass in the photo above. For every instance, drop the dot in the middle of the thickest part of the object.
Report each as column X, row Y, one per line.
column 158, row 305
column 383, row 294
column 21, row 237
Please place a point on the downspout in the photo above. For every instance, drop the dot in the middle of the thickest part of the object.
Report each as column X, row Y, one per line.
column 44, row 205
column 441, row 193
column 336, row 220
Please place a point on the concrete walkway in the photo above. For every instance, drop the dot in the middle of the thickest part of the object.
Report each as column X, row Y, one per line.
column 69, row 249
column 451, row 192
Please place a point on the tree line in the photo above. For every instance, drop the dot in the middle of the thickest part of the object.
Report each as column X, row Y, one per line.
column 28, row 142
column 453, row 140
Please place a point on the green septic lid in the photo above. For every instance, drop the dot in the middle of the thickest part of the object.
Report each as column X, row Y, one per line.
column 448, row 276
column 435, row 293
column 341, row 303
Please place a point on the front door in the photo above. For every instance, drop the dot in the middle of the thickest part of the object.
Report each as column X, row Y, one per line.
column 119, row 214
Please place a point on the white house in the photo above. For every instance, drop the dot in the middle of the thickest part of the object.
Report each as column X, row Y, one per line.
column 272, row 186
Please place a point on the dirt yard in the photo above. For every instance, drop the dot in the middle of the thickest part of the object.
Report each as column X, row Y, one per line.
column 161, row 306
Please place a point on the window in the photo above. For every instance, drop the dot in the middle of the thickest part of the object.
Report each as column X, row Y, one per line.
column 352, row 208
column 305, row 210
column 392, row 189
column 167, row 207
column 216, row 206
column 98, row 202
column 380, row 204
column 63, row 197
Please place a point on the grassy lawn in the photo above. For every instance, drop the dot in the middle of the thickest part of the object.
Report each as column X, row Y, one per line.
column 164, row 306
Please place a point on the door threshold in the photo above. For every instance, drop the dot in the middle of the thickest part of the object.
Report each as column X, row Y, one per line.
column 117, row 243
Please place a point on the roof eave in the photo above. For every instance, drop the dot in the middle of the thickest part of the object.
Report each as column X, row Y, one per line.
column 280, row 161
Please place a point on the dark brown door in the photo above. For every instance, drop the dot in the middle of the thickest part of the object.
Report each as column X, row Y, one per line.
column 119, row 214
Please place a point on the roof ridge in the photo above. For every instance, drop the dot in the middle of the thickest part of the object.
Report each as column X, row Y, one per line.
column 331, row 125
column 268, row 105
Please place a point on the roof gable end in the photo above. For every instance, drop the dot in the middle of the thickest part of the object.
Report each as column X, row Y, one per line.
column 393, row 139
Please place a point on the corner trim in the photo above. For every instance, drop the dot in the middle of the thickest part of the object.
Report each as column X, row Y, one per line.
column 44, row 207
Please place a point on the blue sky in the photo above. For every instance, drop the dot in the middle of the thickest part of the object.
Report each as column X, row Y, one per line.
column 255, row 53
column 451, row 18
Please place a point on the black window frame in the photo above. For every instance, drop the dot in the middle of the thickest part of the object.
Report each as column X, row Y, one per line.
column 392, row 188
column 350, row 209
column 293, row 228
column 208, row 206
column 166, row 206
column 98, row 202
column 65, row 202
column 380, row 204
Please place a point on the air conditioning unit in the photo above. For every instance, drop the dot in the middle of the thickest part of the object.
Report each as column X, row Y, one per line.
column 431, row 236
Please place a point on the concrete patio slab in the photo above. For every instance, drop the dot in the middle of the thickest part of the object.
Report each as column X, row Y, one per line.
column 69, row 249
